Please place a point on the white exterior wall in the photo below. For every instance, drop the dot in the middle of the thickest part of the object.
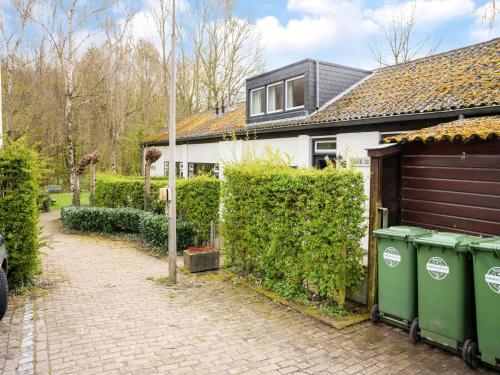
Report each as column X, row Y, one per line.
column 353, row 145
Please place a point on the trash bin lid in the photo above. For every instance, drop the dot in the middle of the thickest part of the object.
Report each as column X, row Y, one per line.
column 488, row 244
column 402, row 232
column 450, row 240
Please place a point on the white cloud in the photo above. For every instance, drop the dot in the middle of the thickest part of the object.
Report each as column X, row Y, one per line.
column 428, row 13
column 324, row 24
column 482, row 29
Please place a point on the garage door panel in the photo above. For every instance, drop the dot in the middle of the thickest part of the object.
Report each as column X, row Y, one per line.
column 464, row 198
column 451, row 222
column 457, row 173
column 467, row 161
column 459, row 210
column 469, row 186
column 451, row 187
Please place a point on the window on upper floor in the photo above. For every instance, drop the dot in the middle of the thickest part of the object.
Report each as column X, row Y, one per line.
column 295, row 93
column 257, row 101
column 275, row 97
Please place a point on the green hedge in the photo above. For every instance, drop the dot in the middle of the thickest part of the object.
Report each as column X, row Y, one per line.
column 152, row 228
column 296, row 231
column 19, row 190
column 197, row 198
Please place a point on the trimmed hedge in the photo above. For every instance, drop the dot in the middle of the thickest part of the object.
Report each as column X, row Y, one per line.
column 198, row 198
column 152, row 228
column 19, row 190
column 296, row 231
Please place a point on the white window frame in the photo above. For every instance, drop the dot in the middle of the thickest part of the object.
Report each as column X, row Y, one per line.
column 267, row 97
column 286, row 93
column 325, row 152
column 251, row 101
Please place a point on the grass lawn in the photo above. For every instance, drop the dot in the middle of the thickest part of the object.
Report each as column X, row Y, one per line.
column 64, row 199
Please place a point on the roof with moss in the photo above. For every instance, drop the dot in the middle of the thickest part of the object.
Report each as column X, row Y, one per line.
column 206, row 123
column 468, row 77
column 465, row 130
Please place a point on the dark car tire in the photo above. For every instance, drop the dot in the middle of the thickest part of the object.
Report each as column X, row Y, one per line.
column 4, row 293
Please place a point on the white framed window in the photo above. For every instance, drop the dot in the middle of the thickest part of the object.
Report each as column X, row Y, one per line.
column 257, row 101
column 294, row 93
column 325, row 146
column 275, row 97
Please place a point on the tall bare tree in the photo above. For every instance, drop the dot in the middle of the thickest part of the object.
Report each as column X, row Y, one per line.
column 399, row 44
column 12, row 41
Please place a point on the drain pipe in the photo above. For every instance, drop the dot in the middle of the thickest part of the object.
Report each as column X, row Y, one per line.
column 317, row 84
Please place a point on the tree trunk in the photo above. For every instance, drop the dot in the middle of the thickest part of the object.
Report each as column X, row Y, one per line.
column 147, row 186
column 76, row 193
column 92, row 184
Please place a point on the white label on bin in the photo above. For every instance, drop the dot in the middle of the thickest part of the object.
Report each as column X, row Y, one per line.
column 392, row 257
column 437, row 268
column 492, row 278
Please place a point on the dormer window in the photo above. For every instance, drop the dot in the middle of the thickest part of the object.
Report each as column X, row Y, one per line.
column 275, row 97
column 257, row 101
column 295, row 93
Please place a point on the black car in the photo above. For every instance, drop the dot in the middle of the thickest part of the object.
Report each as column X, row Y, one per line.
column 4, row 288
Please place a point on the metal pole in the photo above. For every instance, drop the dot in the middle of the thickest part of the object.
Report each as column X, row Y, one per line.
column 172, row 235
column 1, row 113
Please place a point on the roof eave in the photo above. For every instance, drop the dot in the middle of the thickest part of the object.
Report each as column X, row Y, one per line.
column 495, row 109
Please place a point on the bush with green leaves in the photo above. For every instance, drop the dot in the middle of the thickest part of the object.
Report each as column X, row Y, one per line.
column 197, row 198
column 19, row 191
column 150, row 227
column 296, row 231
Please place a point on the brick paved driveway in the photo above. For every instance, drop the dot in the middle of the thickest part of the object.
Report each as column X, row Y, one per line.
column 101, row 315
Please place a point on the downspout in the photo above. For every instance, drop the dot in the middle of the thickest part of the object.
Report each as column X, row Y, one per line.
column 317, row 84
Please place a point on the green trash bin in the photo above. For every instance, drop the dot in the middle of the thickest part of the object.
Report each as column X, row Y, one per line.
column 486, row 265
column 397, row 275
column 445, row 293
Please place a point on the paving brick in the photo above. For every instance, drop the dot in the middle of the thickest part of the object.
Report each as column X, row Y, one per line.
column 101, row 315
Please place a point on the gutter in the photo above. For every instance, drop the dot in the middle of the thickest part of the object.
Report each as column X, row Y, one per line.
column 449, row 114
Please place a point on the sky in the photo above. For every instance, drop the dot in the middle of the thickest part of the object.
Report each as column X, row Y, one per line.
column 338, row 31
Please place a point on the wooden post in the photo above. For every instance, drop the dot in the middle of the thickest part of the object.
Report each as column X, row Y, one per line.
column 92, row 184
column 377, row 154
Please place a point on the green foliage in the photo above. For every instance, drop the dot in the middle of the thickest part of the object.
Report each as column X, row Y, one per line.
column 197, row 198
column 19, row 191
column 296, row 231
column 152, row 228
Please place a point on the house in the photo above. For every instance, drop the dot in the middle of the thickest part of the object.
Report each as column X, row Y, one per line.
column 314, row 111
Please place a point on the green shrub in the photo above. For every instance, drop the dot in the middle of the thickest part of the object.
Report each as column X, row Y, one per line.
column 295, row 230
column 19, row 190
column 152, row 228
column 197, row 198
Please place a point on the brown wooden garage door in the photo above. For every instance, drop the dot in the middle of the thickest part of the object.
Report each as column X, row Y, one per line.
column 452, row 187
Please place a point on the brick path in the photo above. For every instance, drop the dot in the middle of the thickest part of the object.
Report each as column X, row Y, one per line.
column 101, row 315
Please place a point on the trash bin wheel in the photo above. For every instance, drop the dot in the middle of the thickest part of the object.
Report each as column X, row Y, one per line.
column 4, row 293
column 414, row 331
column 470, row 353
column 375, row 314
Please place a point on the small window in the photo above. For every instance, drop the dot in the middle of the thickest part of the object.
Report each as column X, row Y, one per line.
column 295, row 93
column 178, row 169
column 257, row 101
column 328, row 146
column 275, row 97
